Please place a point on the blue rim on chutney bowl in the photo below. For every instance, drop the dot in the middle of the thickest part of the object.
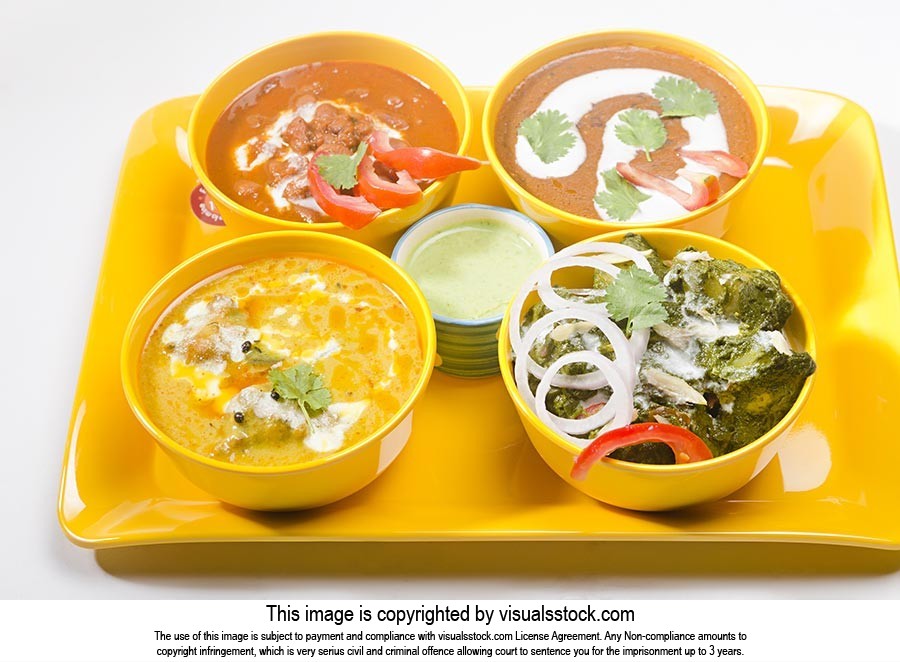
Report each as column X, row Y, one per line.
column 468, row 348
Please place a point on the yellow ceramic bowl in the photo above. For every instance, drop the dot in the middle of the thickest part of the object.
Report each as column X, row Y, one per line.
column 567, row 228
column 297, row 486
column 666, row 487
column 387, row 228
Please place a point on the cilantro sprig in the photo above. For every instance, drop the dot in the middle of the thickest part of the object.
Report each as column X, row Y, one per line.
column 637, row 296
column 641, row 128
column 548, row 133
column 301, row 384
column 339, row 170
column 621, row 198
column 682, row 97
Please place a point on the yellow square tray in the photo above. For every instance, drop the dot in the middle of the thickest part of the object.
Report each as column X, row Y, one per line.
column 817, row 213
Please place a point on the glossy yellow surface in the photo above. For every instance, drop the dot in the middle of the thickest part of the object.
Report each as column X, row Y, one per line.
column 658, row 487
column 320, row 46
column 305, row 485
column 817, row 213
column 567, row 228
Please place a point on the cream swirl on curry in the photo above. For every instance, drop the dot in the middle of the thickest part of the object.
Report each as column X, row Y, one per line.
column 334, row 141
column 626, row 134
column 290, row 153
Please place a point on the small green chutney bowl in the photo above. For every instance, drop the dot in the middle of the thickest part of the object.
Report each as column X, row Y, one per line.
column 467, row 344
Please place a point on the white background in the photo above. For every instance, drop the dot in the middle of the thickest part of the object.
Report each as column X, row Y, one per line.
column 73, row 78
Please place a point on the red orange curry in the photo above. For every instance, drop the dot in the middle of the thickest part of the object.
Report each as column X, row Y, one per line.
column 261, row 147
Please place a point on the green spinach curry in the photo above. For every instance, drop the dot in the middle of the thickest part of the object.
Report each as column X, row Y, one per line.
column 719, row 364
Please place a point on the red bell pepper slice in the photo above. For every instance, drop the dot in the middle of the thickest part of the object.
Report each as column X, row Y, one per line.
column 419, row 162
column 687, row 446
column 384, row 193
column 704, row 188
column 353, row 211
column 380, row 143
column 721, row 161
column 590, row 410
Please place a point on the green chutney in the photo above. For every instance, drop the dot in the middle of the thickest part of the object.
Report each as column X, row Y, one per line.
column 472, row 270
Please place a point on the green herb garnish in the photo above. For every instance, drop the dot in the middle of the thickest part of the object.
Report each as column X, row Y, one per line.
column 682, row 97
column 548, row 134
column 621, row 198
column 641, row 128
column 339, row 170
column 256, row 354
column 636, row 295
column 302, row 384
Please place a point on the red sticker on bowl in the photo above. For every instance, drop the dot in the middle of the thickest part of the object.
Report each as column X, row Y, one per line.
column 204, row 208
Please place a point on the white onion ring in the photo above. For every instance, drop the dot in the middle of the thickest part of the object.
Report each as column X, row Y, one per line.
column 535, row 277
column 639, row 340
column 593, row 248
column 545, row 288
column 600, row 247
column 515, row 313
column 620, row 404
column 553, row 301
column 628, row 351
column 624, row 360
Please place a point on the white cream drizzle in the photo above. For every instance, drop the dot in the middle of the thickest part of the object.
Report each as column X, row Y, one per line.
column 328, row 349
column 774, row 339
column 329, row 428
column 301, row 178
column 678, row 355
column 263, row 405
column 227, row 339
column 577, row 96
column 317, row 284
column 272, row 142
column 332, row 426
column 694, row 256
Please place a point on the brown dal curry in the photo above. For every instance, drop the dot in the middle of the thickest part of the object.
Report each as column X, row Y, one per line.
column 574, row 193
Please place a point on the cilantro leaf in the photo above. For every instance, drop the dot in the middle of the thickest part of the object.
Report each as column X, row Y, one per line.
column 682, row 97
column 300, row 383
column 621, row 198
column 636, row 295
column 641, row 128
column 548, row 134
column 339, row 170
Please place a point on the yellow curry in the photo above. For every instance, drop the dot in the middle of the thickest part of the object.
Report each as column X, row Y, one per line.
column 280, row 361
